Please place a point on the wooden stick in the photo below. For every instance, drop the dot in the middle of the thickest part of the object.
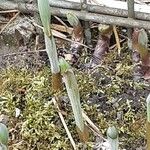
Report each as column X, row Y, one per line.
column 131, row 15
column 8, row 11
column 116, row 4
column 104, row 19
column 105, row 7
column 117, row 39
column 64, row 124
column 92, row 125
column 62, row 28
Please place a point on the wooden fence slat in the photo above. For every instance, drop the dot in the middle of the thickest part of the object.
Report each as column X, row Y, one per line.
column 98, row 9
column 100, row 18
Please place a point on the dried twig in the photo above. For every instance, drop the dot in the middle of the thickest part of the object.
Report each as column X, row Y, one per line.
column 92, row 125
column 64, row 124
column 22, row 53
column 10, row 21
column 117, row 39
column 36, row 42
column 87, row 30
column 131, row 15
column 8, row 11
column 113, row 46
column 60, row 35
column 62, row 22
column 62, row 28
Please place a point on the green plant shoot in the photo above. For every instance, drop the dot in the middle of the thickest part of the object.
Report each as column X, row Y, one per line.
column 44, row 10
column 3, row 134
column 112, row 136
column 148, row 122
column 73, row 93
column 148, row 108
column 52, row 53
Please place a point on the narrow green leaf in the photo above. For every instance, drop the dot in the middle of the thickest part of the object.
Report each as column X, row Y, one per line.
column 72, row 19
column 52, row 53
column 63, row 65
column 73, row 93
column 44, row 10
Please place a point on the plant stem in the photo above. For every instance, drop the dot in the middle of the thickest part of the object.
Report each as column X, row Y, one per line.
column 52, row 54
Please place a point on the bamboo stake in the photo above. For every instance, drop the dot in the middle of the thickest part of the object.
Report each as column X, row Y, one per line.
column 101, row 9
column 99, row 18
column 131, row 14
column 87, row 30
column 104, row 19
column 30, row 8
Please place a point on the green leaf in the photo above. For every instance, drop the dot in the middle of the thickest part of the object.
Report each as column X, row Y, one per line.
column 73, row 92
column 3, row 134
column 142, row 38
column 72, row 19
column 52, row 53
column 45, row 15
column 112, row 132
column 112, row 136
column 148, row 108
column 64, row 66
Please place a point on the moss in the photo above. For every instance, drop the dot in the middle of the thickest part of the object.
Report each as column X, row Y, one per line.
column 105, row 93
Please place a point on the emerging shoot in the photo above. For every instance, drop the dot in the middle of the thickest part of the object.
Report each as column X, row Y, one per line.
column 148, row 108
column 3, row 136
column 73, row 93
column 112, row 136
column 148, row 122
column 102, row 46
column 44, row 10
column 77, row 34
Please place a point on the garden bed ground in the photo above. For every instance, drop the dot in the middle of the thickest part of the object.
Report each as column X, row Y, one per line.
column 108, row 95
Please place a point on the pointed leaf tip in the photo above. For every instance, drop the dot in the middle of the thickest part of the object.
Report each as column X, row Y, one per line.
column 72, row 19
column 64, row 65
column 44, row 10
